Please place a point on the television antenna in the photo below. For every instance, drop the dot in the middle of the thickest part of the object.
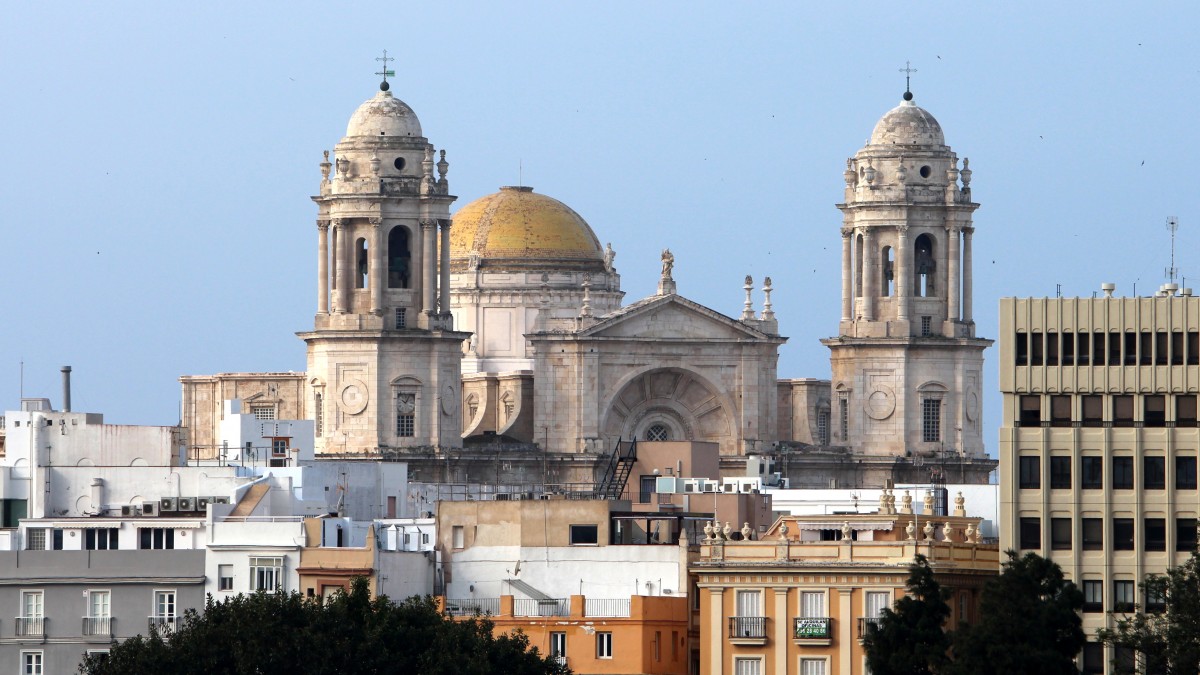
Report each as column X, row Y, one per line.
column 1172, row 227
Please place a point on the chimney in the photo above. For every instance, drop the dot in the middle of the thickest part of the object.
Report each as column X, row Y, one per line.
column 66, row 384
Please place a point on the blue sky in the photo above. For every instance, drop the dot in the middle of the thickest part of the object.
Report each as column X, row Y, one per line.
column 160, row 156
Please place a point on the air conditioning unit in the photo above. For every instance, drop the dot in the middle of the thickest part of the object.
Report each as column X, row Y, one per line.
column 149, row 508
column 168, row 504
column 201, row 503
column 218, row 500
column 128, row 510
column 187, row 503
column 709, row 486
column 729, row 487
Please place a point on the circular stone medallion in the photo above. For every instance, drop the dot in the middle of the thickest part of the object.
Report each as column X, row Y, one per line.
column 881, row 403
column 353, row 397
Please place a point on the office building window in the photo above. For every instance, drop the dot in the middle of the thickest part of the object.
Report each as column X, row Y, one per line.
column 1091, row 473
column 156, row 538
column 224, row 577
column 1022, row 344
column 1123, row 534
column 1060, row 473
column 100, row 539
column 1031, row 411
column 1185, row 473
column 1156, row 602
column 1091, row 407
column 1093, row 596
column 604, row 645
column 1060, row 411
column 1122, row 410
column 1123, row 595
column 1030, row 470
column 1185, row 410
column 1154, row 530
column 1185, row 534
column 1092, row 530
column 32, row 663
column 266, row 574
column 1093, row 660
column 1031, row 533
column 931, row 420
column 1154, row 472
column 1060, row 534
column 1122, row 473
column 1154, row 411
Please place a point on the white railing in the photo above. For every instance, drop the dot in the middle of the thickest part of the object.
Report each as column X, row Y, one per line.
column 28, row 625
column 165, row 624
column 603, row 607
column 469, row 606
column 97, row 625
column 531, row 607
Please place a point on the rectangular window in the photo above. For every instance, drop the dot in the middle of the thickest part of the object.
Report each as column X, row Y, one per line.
column 266, row 574
column 1122, row 410
column 1122, row 473
column 401, row 318
column 32, row 604
column 1031, row 533
column 646, row 488
column 812, row 666
column 1093, row 534
column 263, row 412
column 823, row 427
column 749, row 604
column 1093, row 595
column 1114, row 348
column 1160, row 348
column 747, row 666
column 99, row 613
column 1154, row 530
column 1022, row 342
column 319, row 414
column 1035, row 349
column 35, row 539
column 585, row 535
column 1130, row 352
column 1185, row 473
column 926, row 326
column 406, row 417
column 558, row 645
column 224, row 577
column 1060, row 411
column 1146, row 349
column 1091, row 473
column 1031, row 411
column 1193, row 348
column 812, row 605
column 604, row 645
column 1154, row 411
column 156, row 538
column 1185, row 410
column 1030, row 471
column 164, row 607
column 1060, row 534
column 844, row 415
column 1083, row 342
column 32, row 663
column 931, row 420
column 1068, row 349
column 1052, row 349
column 100, row 539
column 1177, row 348
column 1092, row 409
column 1060, row 473
column 1123, row 534
column 1093, row 658
column 1124, row 595
column 1185, row 534
column 456, row 537
column 1154, row 472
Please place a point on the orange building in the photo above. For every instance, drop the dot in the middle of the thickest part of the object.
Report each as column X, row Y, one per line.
column 326, row 567
column 798, row 600
column 638, row 635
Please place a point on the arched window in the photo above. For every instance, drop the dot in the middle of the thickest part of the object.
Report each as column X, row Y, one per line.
column 925, row 265
column 360, row 263
column 658, row 432
column 888, row 286
column 399, row 257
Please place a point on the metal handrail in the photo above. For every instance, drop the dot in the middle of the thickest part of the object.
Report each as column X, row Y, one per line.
column 97, row 625
column 748, row 627
column 531, row 607
column 28, row 625
column 604, row 607
column 165, row 624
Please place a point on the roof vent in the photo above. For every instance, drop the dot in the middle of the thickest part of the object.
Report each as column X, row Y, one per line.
column 1108, row 289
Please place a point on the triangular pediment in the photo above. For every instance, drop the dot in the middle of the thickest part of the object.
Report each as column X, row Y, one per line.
column 671, row 317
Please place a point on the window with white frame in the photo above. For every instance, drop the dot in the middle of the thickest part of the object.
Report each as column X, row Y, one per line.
column 812, row 604
column 406, row 414
column 812, row 666
column 32, row 613
column 99, row 613
column 263, row 412
column 748, row 621
column 747, row 666
column 877, row 601
column 931, row 419
column 156, row 538
column 266, row 574
column 164, row 609
column 558, row 646
column 224, row 577
column 31, row 663
column 749, row 603
column 101, row 539
column 604, row 645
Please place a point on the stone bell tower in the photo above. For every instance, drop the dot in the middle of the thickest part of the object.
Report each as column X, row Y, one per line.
column 907, row 367
column 383, row 355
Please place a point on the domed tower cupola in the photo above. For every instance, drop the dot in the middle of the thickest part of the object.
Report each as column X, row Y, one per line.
column 907, row 367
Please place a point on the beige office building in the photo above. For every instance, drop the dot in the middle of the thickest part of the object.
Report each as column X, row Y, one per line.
column 1098, row 441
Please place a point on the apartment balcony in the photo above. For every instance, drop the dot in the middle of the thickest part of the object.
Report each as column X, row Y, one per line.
column 98, row 626
column 165, row 625
column 606, row 607
column 533, row 607
column 559, row 659
column 863, row 623
column 748, row 630
column 34, row 627
column 812, row 630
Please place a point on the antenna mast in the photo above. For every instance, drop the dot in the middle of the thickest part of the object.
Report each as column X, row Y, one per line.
column 1172, row 227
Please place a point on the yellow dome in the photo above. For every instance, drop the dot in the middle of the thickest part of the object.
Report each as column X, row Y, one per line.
column 518, row 229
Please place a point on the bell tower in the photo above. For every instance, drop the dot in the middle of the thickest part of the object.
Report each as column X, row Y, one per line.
column 383, row 355
column 907, row 367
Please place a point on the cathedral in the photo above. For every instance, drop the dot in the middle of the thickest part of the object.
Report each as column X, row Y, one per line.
column 493, row 344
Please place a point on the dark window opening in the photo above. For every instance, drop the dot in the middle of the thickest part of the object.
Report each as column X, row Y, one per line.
column 1052, row 349
column 925, row 265
column 1083, row 341
column 1092, row 407
column 888, row 282
column 1122, row 473
column 1060, row 473
column 1154, row 472
column 1122, row 534
column 1114, row 349
column 926, row 326
column 1129, row 354
column 1060, row 534
column 1155, row 532
column 647, row 486
column 1093, row 658
column 361, row 267
column 1036, row 347
column 1185, row 534
column 1068, row 349
column 398, row 163
column 1177, row 348
column 101, row 539
column 1060, row 411
column 1185, row 410
column 1093, row 595
column 1193, row 348
column 156, row 538
column 1031, row 411
column 1160, row 349
column 1154, row 411
column 1022, row 349
column 1185, row 473
column 926, row 171
column 585, row 534
column 1122, row 410
column 1031, row 533
column 1030, row 471
column 1146, row 349
column 399, row 257
column 1091, row 473
column 1092, row 530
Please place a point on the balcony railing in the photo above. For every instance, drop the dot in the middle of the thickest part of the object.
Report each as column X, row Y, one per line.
column 603, row 607
column 748, row 627
column 97, row 625
column 531, row 607
column 807, row 628
column 470, row 606
column 31, row 626
column 560, row 659
column 863, row 622
column 165, row 624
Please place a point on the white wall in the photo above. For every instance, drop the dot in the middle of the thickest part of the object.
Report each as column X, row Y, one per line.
column 982, row 501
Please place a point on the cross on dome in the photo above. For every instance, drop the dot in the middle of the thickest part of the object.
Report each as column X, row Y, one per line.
column 384, row 86
column 908, row 70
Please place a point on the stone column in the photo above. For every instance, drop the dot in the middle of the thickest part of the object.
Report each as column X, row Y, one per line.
column 322, row 267
column 966, row 272
column 953, row 283
column 847, row 276
column 428, row 266
column 901, row 268
column 375, row 274
column 869, row 291
column 444, row 268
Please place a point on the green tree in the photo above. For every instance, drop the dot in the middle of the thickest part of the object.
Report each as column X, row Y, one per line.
column 912, row 640
column 1028, row 623
column 347, row 634
column 1164, row 637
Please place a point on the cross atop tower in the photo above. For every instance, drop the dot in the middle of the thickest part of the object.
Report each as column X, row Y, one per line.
column 385, row 72
column 908, row 70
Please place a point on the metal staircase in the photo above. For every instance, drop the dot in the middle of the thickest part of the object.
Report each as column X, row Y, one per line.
column 616, row 475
